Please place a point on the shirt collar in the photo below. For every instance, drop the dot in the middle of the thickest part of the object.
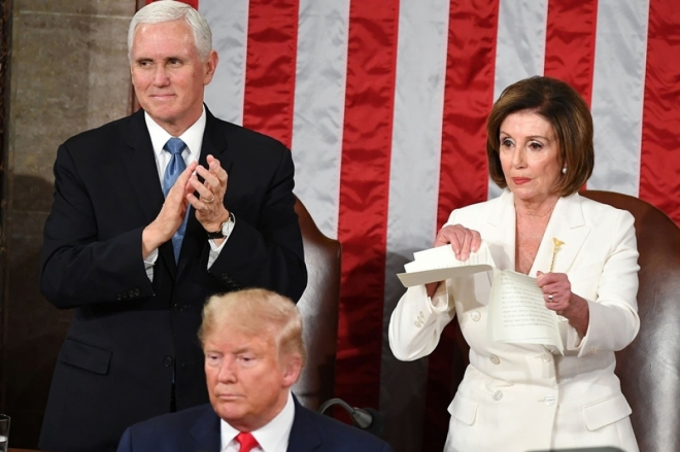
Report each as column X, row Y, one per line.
column 272, row 437
column 193, row 136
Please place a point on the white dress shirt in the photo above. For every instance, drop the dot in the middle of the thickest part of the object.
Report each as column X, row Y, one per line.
column 272, row 437
column 193, row 138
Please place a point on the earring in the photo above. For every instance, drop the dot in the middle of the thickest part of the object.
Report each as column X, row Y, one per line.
column 564, row 170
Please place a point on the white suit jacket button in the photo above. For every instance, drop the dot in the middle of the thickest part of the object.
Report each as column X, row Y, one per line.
column 549, row 399
column 494, row 359
column 475, row 315
column 547, row 357
column 497, row 395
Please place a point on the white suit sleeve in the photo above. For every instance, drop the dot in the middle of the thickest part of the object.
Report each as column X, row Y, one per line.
column 613, row 317
column 417, row 322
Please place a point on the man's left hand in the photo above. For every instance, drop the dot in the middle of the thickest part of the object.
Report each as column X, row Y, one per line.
column 210, row 210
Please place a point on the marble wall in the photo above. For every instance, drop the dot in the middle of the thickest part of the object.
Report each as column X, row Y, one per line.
column 68, row 73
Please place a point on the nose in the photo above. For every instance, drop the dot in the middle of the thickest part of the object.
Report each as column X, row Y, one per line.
column 518, row 158
column 160, row 76
column 226, row 373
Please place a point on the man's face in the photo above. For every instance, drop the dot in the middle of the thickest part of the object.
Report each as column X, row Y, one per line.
column 168, row 74
column 247, row 382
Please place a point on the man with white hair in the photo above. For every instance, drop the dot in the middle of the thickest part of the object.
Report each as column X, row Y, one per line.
column 152, row 214
column 254, row 352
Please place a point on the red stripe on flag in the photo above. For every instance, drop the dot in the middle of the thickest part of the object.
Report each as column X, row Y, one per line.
column 473, row 27
column 660, row 167
column 468, row 99
column 364, row 189
column 570, row 43
column 270, row 68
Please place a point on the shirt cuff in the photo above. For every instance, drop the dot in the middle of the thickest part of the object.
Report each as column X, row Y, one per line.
column 149, row 262
column 215, row 249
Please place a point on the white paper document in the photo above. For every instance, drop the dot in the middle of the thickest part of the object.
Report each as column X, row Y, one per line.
column 517, row 312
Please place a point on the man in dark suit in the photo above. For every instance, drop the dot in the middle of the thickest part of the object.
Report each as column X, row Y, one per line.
column 254, row 352
column 152, row 214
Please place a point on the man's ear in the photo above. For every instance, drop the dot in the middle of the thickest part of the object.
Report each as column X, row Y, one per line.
column 211, row 66
column 291, row 371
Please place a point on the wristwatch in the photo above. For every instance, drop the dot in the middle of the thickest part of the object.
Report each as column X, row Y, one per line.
column 224, row 230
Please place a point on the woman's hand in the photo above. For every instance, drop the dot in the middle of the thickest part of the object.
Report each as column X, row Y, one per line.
column 559, row 298
column 463, row 241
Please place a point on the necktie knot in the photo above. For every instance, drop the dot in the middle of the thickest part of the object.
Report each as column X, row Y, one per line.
column 247, row 442
column 175, row 146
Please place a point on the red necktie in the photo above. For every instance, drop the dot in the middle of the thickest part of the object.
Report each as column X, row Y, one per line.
column 247, row 442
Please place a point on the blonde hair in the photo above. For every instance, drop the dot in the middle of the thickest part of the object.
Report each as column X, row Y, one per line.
column 256, row 312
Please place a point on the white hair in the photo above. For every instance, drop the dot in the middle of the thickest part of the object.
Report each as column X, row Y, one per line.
column 167, row 11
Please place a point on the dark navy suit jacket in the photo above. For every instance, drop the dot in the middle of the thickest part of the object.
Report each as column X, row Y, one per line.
column 130, row 337
column 198, row 430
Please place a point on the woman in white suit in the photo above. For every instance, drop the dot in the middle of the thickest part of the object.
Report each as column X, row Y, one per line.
column 523, row 397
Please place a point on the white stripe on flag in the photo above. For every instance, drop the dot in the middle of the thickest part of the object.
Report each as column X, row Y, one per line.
column 224, row 95
column 319, row 108
column 618, row 94
column 520, row 48
column 414, row 185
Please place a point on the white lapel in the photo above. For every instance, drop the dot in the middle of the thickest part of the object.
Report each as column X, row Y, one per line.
column 500, row 235
column 567, row 225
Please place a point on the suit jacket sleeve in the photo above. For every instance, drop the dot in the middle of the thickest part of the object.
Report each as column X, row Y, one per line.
column 125, row 444
column 265, row 250
column 83, row 262
column 613, row 317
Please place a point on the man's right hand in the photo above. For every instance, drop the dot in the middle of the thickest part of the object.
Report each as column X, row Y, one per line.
column 172, row 213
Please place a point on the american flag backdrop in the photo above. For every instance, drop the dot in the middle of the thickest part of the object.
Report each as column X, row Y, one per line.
column 383, row 104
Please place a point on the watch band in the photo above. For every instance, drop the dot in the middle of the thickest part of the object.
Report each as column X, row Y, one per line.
column 224, row 229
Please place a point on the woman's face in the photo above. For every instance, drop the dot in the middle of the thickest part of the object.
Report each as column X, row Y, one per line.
column 530, row 156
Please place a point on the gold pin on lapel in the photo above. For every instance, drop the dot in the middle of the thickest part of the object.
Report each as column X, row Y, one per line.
column 557, row 243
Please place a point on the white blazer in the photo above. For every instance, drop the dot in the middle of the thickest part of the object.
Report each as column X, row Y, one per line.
column 517, row 397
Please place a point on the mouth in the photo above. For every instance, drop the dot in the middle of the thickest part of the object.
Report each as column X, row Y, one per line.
column 228, row 397
column 161, row 96
column 521, row 180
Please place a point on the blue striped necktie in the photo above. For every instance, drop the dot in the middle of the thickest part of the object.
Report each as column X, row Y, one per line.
column 175, row 146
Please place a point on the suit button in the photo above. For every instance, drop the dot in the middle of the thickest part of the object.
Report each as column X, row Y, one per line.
column 494, row 359
column 137, row 292
column 547, row 357
column 475, row 316
column 119, row 297
column 549, row 400
column 497, row 395
column 178, row 307
column 167, row 361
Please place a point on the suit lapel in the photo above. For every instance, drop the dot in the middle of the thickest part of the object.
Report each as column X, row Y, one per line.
column 568, row 226
column 206, row 432
column 215, row 144
column 140, row 165
column 304, row 435
column 500, row 235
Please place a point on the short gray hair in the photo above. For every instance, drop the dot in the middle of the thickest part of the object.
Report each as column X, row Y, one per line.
column 167, row 11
